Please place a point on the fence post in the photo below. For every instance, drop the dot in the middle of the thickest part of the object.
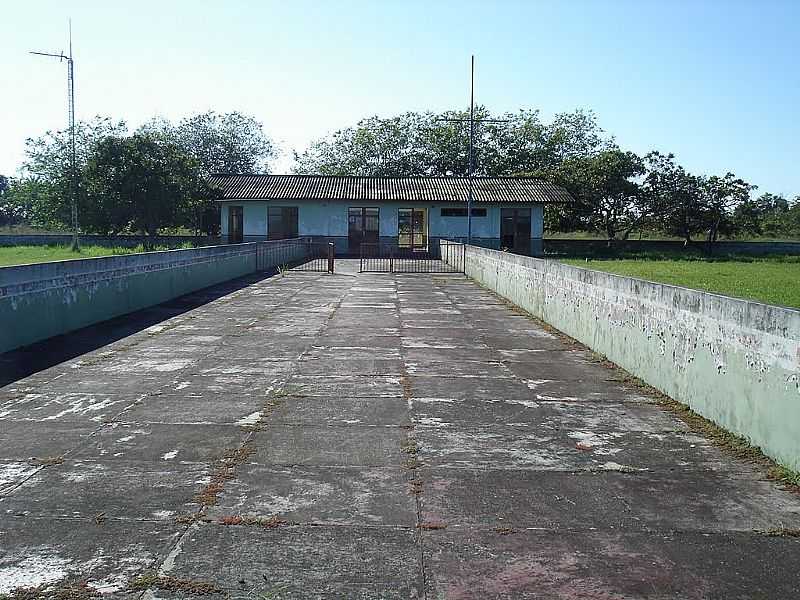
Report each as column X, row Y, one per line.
column 330, row 257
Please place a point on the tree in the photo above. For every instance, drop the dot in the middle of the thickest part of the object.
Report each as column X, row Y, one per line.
column 609, row 198
column 46, row 170
column 143, row 183
column 221, row 143
column 677, row 193
column 720, row 197
column 428, row 144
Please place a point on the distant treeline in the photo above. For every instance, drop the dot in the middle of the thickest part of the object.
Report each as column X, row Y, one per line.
column 154, row 179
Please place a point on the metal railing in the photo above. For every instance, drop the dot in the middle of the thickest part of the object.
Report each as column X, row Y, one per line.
column 446, row 257
column 320, row 258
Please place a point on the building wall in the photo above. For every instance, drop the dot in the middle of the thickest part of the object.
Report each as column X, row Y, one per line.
column 329, row 219
column 733, row 361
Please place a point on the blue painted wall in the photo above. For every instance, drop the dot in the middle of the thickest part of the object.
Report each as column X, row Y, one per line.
column 329, row 218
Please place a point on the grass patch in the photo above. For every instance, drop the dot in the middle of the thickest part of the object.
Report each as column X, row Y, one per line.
column 24, row 255
column 773, row 280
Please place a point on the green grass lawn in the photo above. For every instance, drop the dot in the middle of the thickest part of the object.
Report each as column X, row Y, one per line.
column 769, row 280
column 23, row 255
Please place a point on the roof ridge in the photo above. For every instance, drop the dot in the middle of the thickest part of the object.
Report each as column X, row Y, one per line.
column 384, row 177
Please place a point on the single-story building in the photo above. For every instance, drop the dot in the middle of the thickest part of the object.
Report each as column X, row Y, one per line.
column 412, row 212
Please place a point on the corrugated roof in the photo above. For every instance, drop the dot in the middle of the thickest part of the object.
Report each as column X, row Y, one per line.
column 423, row 189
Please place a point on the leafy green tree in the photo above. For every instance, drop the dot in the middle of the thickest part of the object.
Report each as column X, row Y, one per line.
column 222, row 143
column 677, row 193
column 47, row 168
column 430, row 144
column 720, row 197
column 609, row 197
column 11, row 212
column 143, row 183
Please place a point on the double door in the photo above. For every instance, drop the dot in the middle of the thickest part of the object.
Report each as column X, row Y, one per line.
column 412, row 228
column 363, row 227
column 515, row 229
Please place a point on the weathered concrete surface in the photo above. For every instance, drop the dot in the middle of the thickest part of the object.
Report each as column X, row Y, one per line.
column 366, row 436
column 43, row 300
column 734, row 361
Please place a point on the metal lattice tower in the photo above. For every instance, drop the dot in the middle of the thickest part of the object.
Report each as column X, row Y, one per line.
column 73, row 167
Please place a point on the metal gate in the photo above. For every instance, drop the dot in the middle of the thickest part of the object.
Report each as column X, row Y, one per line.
column 297, row 254
column 448, row 257
column 320, row 258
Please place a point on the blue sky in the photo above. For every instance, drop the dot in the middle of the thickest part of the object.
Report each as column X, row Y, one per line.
column 717, row 83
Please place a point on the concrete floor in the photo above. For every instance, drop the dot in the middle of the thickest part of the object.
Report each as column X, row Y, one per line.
column 365, row 436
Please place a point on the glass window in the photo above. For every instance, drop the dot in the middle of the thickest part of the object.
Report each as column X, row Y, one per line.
column 462, row 212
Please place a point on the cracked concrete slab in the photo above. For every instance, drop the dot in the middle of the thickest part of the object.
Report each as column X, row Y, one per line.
column 385, row 412
column 547, row 565
column 122, row 490
column 361, row 563
column 24, row 440
column 157, row 442
column 352, row 445
column 367, row 436
column 35, row 552
column 469, row 498
column 329, row 495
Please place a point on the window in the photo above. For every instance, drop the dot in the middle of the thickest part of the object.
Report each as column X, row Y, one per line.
column 462, row 212
column 281, row 222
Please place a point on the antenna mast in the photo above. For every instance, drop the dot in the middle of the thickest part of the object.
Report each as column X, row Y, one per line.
column 73, row 167
column 472, row 121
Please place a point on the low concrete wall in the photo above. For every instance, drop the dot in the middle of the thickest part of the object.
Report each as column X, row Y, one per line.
column 568, row 247
column 126, row 241
column 733, row 361
column 47, row 299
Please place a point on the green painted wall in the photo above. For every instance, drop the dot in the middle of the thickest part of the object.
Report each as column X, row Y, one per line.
column 43, row 300
column 733, row 361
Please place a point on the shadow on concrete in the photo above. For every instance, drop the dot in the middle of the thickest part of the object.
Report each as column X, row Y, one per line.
column 27, row 360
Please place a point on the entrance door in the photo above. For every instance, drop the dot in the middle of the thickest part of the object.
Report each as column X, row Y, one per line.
column 363, row 227
column 235, row 224
column 515, row 229
column 412, row 228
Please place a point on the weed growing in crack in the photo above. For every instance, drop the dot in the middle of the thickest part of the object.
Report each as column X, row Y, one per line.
column 265, row 522
column 505, row 530
column 64, row 590
column 225, row 470
column 173, row 584
column 432, row 525
column 191, row 518
column 47, row 461
column 781, row 532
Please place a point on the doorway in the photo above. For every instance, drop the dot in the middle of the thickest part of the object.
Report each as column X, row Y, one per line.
column 412, row 228
column 235, row 225
column 363, row 227
column 515, row 229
